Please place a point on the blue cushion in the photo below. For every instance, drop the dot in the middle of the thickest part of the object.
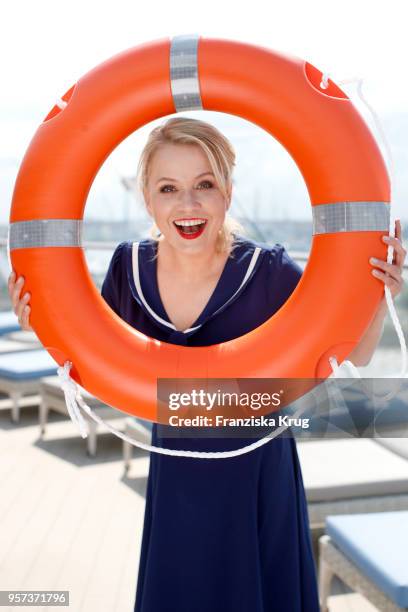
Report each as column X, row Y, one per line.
column 8, row 322
column 27, row 365
column 377, row 543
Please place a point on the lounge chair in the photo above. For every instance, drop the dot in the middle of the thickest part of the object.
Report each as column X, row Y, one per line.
column 369, row 553
column 20, row 375
column 12, row 346
column 8, row 322
column 23, row 336
column 52, row 398
column 352, row 476
column 138, row 429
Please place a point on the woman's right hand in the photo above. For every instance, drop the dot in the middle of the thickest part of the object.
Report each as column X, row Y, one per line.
column 20, row 304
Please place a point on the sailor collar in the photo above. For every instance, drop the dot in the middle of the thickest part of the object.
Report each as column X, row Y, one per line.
column 142, row 278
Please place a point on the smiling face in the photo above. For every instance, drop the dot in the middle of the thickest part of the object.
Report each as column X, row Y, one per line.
column 183, row 198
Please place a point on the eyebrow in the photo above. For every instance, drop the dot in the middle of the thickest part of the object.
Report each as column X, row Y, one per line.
column 166, row 178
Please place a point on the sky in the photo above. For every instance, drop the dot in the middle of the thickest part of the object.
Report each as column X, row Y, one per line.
column 46, row 46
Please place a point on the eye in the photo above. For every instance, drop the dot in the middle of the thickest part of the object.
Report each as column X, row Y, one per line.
column 164, row 189
column 208, row 184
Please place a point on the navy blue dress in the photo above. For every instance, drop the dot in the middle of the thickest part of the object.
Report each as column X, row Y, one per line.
column 225, row 535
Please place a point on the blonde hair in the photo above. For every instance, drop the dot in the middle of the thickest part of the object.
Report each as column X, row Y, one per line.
column 220, row 154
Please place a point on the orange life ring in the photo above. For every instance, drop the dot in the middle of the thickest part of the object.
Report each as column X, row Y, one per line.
column 335, row 151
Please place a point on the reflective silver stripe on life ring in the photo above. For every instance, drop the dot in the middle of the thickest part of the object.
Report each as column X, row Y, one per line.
column 351, row 217
column 45, row 233
column 185, row 86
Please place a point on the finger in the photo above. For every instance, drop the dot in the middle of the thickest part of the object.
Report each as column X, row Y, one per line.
column 23, row 314
column 11, row 281
column 389, row 281
column 398, row 229
column 393, row 270
column 22, row 304
column 25, row 317
column 398, row 235
column 11, row 285
column 16, row 292
column 399, row 251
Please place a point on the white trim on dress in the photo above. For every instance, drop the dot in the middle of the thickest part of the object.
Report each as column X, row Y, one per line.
column 136, row 278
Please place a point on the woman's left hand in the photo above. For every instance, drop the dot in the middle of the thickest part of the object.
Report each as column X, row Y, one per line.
column 391, row 274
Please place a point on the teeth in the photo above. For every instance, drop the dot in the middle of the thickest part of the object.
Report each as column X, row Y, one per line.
column 186, row 223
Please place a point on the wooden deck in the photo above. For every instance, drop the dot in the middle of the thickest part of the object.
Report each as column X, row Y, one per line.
column 71, row 522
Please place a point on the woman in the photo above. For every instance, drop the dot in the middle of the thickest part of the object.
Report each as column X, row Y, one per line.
column 230, row 535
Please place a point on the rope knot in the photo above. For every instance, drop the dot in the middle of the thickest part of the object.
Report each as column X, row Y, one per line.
column 65, row 379
column 72, row 394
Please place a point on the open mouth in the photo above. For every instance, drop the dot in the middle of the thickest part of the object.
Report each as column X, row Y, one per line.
column 190, row 228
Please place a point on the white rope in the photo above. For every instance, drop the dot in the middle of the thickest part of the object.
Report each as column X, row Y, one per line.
column 61, row 103
column 71, row 393
column 74, row 400
column 347, row 368
column 324, row 83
